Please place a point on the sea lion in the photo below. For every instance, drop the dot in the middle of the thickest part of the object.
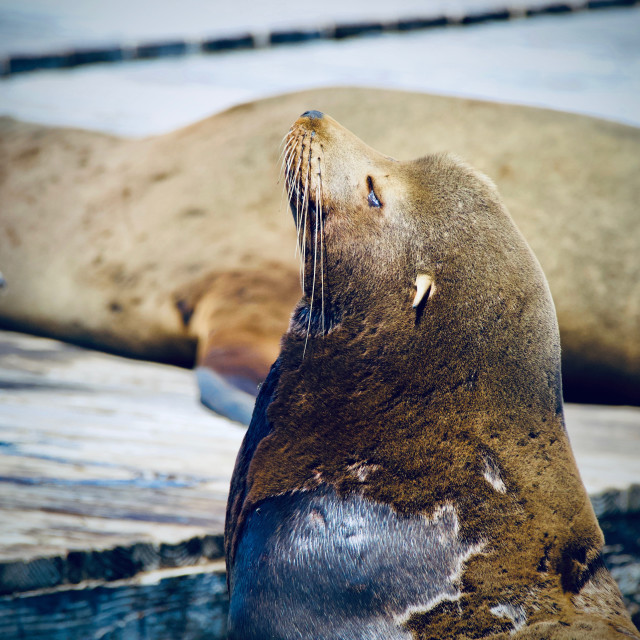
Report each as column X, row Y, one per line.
column 407, row 473
column 171, row 248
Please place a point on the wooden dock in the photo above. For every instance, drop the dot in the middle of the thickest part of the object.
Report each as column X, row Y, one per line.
column 113, row 483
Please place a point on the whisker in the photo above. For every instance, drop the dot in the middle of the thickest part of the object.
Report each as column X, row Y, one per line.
column 289, row 183
column 284, row 154
column 288, row 158
column 286, row 139
column 319, row 208
column 285, row 186
column 282, row 161
column 292, row 178
column 296, row 185
column 285, row 136
column 305, row 210
column 299, row 185
column 298, row 220
column 315, row 257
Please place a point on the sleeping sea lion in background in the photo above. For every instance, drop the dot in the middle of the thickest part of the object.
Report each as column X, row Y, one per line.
column 171, row 248
column 407, row 473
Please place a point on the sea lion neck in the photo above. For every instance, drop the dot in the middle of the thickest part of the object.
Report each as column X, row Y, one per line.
column 431, row 358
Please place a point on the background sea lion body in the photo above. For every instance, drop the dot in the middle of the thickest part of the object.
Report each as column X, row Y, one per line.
column 407, row 473
column 146, row 246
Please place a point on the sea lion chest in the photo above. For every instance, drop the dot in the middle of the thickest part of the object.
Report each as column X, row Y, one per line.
column 340, row 567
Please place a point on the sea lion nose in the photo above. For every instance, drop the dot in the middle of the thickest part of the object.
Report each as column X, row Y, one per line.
column 314, row 115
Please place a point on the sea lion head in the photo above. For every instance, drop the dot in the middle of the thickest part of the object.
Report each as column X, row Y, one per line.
column 422, row 252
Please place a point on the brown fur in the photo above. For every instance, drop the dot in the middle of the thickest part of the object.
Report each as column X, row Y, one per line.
column 99, row 237
column 419, row 398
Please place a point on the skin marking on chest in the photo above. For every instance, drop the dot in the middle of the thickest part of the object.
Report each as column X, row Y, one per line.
column 372, row 567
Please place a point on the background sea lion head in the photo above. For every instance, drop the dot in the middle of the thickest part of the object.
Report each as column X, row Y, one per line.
column 424, row 255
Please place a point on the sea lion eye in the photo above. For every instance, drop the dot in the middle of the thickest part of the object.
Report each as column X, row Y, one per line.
column 372, row 198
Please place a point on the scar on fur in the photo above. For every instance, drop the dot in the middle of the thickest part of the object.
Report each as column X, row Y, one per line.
column 424, row 285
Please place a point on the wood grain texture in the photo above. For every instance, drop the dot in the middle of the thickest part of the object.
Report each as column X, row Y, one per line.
column 98, row 452
column 190, row 604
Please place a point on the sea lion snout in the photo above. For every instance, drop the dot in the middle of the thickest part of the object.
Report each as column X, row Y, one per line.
column 330, row 171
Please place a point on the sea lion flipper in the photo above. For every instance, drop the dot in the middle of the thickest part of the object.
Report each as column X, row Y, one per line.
column 223, row 398
column 236, row 319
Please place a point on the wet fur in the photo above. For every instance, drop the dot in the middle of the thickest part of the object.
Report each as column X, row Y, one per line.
column 457, row 403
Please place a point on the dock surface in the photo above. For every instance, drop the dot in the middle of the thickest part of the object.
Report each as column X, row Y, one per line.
column 113, row 485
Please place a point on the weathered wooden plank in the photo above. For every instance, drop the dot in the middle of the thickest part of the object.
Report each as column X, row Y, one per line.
column 117, row 563
column 98, row 452
column 190, row 604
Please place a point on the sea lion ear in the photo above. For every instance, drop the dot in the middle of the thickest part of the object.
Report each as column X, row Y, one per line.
column 424, row 286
